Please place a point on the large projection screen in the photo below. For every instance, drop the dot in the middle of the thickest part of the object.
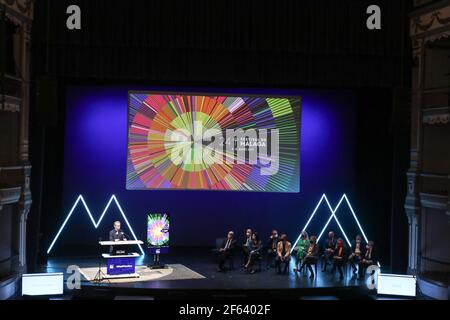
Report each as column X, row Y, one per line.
column 213, row 142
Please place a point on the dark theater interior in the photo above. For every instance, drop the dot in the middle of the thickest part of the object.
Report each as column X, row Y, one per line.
column 246, row 151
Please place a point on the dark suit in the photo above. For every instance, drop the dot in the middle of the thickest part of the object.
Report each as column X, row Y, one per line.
column 339, row 260
column 226, row 251
column 254, row 253
column 116, row 235
column 327, row 255
column 354, row 257
column 370, row 258
column 271, row 250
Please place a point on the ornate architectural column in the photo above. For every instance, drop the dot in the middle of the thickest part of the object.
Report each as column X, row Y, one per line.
column 15, row 169
column 429, row 30
column 427, row 203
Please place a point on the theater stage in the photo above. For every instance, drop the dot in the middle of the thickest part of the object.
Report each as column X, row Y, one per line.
column 195, row 269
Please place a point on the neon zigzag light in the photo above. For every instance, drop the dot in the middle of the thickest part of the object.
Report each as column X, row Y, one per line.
column 333, row 215
column 96, row 224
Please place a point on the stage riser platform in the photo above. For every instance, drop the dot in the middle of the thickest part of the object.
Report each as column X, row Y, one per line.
column 105, row 292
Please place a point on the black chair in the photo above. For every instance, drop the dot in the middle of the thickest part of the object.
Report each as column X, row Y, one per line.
column 259, row 261
column 364, row 270
column 298, row 266
column 324, row 259
column 269, row 257
column 219, row 242
column 231, row 259
column 314, row 263
column 282, row 266
column 215, row 251
column 342, row 264
column 349, row 268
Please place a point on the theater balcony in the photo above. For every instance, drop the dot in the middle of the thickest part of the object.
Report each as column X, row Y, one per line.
column 428, row 200
column 15, row 195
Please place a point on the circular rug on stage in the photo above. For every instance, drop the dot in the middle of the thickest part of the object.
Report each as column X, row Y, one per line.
column 171, row 272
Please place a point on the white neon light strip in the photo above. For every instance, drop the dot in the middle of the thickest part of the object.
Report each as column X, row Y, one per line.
column 333, row 215
column 96, row 224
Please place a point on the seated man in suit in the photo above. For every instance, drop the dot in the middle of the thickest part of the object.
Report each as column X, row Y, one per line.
column 338, row 258
column 329, row 246
column 117, row 234
column 370, row 258
column 226, row 250
column 357, row 252
column 283, row 253
column 272, row 248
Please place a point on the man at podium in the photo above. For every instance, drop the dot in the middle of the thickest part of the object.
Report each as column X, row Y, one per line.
column 120, row 262
column 117, row 234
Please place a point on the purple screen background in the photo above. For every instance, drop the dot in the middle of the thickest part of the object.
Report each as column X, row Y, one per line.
column 95, row 153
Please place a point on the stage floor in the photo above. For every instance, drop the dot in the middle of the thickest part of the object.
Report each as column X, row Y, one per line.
column 235, row 281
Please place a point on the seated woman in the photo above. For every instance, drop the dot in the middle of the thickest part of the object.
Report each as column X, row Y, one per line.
column 356, row 253
column 302, row 247
column 283, row 254
column 369, row 258
column 254, row 253
column 338, row 258
column 312, row 255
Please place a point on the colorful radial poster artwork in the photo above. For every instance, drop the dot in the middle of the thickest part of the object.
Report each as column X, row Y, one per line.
column 206, row 142
column 158, row 226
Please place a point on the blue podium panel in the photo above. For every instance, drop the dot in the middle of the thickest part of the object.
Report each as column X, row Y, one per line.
column 122, row 265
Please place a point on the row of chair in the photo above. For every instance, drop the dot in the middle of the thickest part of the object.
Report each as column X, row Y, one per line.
column 260, row 259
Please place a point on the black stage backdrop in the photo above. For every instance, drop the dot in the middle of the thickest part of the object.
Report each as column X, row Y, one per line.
column 233, row 43
column 308, row 42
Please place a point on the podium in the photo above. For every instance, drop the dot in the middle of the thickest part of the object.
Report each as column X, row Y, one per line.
column 122, row 265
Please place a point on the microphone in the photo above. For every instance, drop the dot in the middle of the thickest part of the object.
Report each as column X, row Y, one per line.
column 124, row 235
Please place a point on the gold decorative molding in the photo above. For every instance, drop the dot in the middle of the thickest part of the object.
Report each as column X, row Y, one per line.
column 436, row 115
column 433, row 201
column 11, row 104
column 417, row 50
column 9, row 195
column 429, row 22
column 18, row 8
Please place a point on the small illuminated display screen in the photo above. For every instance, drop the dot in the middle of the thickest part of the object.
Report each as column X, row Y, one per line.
column 396, row 285
column 41, row 284
column 158, row 225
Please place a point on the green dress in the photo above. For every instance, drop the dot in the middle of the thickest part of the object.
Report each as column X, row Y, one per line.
column 302, row 248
